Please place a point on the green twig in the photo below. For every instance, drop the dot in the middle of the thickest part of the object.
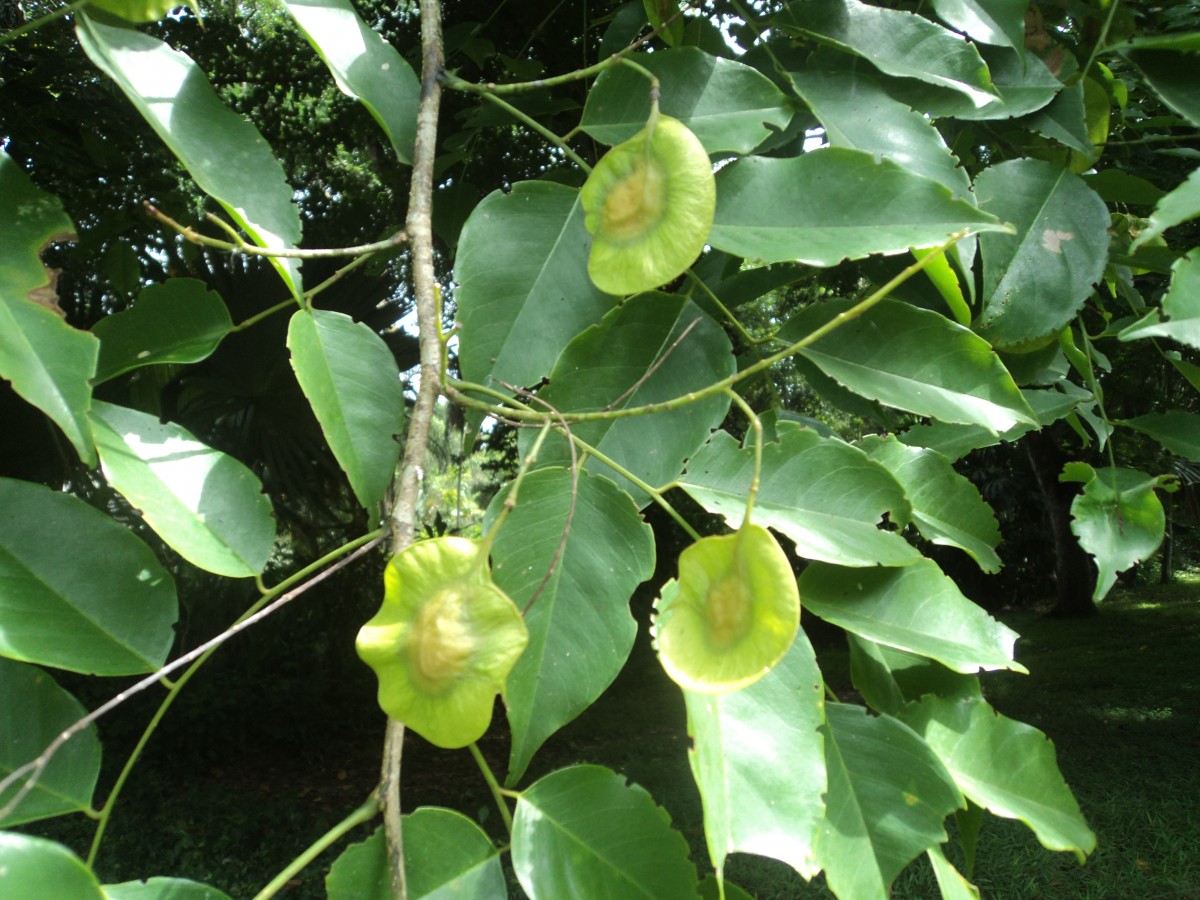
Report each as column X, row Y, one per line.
column 498, row 793
column 756, row 425
column 532, row 123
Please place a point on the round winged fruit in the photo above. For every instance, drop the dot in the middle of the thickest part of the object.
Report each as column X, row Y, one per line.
column 649, row 206
column 444, row 640
column 731, row 616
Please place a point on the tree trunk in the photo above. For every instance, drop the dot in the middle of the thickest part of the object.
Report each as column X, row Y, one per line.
column 1074, row 573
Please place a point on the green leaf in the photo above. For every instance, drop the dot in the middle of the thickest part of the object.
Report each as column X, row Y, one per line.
column 888, row 794
column 833, row 204
column 825, row 495
column 364, row 65
column 1179, row 318
column 1117, row 186
column 999, row 22
column 33, row 712
column 584, row 832
column 1175, row 77
column 524, row 291
column 1036, row 281
column 1172, row 209
column 224, row 153
column 914, row 608
column 889, row 678
column 208, row 506
column 33, row 868
column 136, row 10
column 77, row 590
column 729, row 106
column 580, row 627
column 915, row 360
column 47, row 361
column 1175, row 429
column 1006, row 766
column 949, row 880
column 897, row 43
column 350, row 377
column 178, row 321
column 1118, row 519
column 859, row 115
column 652, row 348
column 163, row 889
column 946, row 507
column 446, row 857
column 758, row 760
column 1064, row 120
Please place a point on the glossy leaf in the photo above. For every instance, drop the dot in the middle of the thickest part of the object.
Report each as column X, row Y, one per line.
column 999, row 22
column 364, row 65
column 163, row 889
column 224, row 153
column 208, row 506
column 758, row 759
column 1175, row 77
column 1035, row 281
column 889, row 678
column 868, row 836
column 1179, row 318
column 33, row 868
column 446, row 855
column 652, row 348
column 1175, row 429
column 580, row 627
column 897, row 43
column 1118, row 519
column 524, row 291
column 1022, row 81
column 1005, row 766
column 831, row 205
column 915, row 360
column 98, row 602
column 825, row 495
column 47, row 361
column 1064, row 120
column 350, row 377
column 946, row 507
column 914, row 608
column 731, row 107
column 33, row 712
column 1173, row 209
column 585, row 832
column 136, row 10
column 177, row 321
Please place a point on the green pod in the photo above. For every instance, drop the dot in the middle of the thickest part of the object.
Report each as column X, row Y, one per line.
column 443, row 641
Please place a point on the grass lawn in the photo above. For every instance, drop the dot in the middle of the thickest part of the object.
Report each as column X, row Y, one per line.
column 229, row 799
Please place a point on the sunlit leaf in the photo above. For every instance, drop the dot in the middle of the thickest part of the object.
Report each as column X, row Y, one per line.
column 33, row 868
column 1179, row 318
column 1172, row 209
column 889, row 678
column 1000, row 22
column 163, row 889
column 136, row 10
column 949, row 880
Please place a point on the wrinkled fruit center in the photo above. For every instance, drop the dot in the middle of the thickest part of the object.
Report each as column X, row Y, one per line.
column 441, row 642
column 728, row 609
column 635, row 203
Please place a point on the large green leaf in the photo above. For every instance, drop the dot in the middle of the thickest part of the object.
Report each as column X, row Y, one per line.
column 208, row 506
column 163, row 889
column 825, row 495
column 47, row 361
column 1175, row 429
column 364, row 65
column 889, row 678
column 77, row 590
column 914, row 608
column 758, row 760
column 1175, row 77
column 446, row 857
column 834, row 204
column 580, row 627
column 1179, row 318
column 136, row 10
column 858, row 114
column 178, row 321
column 896, row 42
column 1006, row 766
column 950, row 881
column 999, row 22
column 1035, row 281
column 888, row 796
column 585, row 832
column 1172, row 209
column 524, row 290
column 1118, row 519
column 729, row 106
column 946, row 507
column 350, row 377
column 652, row 348
column 915, row 360
column 224, row 153
column 33, row 712
column 33, row 868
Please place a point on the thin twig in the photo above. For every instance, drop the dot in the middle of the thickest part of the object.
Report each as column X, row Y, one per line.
column 654, row 368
